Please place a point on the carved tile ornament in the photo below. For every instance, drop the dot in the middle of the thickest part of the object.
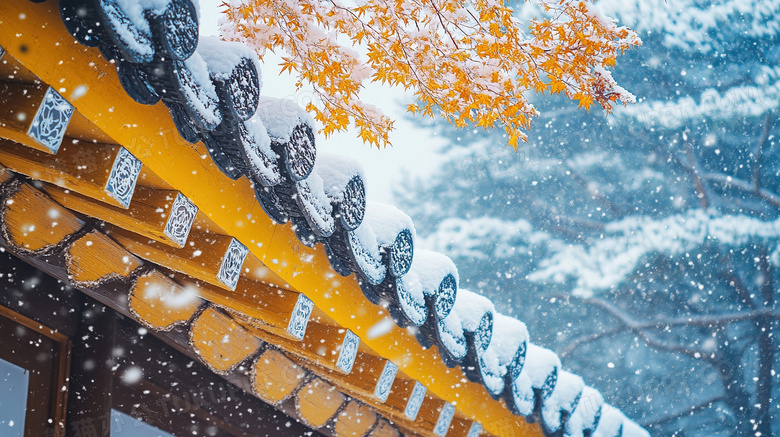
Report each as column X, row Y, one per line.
column 123, row 176
column 51, row 120
column 231, row 264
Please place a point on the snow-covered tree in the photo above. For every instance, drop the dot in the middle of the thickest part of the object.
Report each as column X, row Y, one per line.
column 643, row 247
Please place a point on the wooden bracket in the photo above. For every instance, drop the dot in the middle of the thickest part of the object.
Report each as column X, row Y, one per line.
column 95, row 258
column 213, row 258
column 33, row 115
column 105, row 172
column 163, row 215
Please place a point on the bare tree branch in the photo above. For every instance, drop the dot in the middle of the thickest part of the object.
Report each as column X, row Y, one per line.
column 741, row 185
column 687, row 411
column 585, row 339
column 598, row 196
column 758, row 155
column 706, row 321
column 766, row 349
column 650, row 339
column 735, row 281
column 701, row 188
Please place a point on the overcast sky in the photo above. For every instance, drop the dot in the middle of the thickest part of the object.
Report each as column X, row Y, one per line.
column 413, row 149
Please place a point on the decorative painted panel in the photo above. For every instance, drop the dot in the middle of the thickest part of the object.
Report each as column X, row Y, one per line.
column 300, row 317
column 415, row 401
column 50, row 122
column 348, row 352
column 231, row 264
column 475, row 430
column 123, row 176
column 445, row 419
column 180, row 219
column 385, row 382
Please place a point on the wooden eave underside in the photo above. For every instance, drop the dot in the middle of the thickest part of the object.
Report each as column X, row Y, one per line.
column 276, row 263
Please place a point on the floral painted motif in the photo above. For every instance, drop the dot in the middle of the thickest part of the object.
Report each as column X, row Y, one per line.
column 180, row 219
column 231, row 264
column 300, row 317
column 124, row 174
column 348, row 352
column 48, row 126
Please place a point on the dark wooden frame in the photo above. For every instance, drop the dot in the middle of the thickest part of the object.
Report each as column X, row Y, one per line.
column 47, row 390
column 101, row 343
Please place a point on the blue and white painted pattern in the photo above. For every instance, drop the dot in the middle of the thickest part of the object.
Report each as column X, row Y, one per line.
column 123, row 176
column 445, row 419
column 415, row 401
column 232, row 262
column 348, row 352
column 180, row 219
column 385, row 382
column 50, row 122
column 475, row 430
column 300, row 317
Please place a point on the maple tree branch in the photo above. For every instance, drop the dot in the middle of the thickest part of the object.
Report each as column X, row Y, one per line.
column 441, row 20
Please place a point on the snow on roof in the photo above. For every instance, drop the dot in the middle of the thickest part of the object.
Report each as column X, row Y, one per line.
column 564, row 397
column 470, row 308
column 509, row 359
column 336, row 172
column 611, row 423
column 387, row 221
column 281, row 116
column 223, row 57
column 431, row 267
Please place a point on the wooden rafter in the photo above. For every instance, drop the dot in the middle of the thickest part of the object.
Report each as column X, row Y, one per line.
column 303, row 268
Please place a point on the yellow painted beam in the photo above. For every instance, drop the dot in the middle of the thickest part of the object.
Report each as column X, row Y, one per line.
column 33, row 33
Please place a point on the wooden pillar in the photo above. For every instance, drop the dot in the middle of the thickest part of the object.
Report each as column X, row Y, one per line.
column 91, row 380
